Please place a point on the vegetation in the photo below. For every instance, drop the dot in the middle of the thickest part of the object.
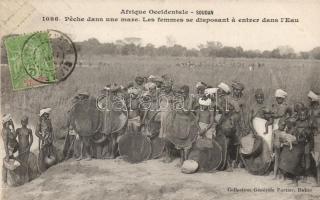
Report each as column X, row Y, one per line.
column 92, row 73
column 132, row 46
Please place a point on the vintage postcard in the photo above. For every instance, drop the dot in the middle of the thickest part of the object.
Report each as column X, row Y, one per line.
column 160, row 99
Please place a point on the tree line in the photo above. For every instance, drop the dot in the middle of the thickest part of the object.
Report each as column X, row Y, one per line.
column 132, row 46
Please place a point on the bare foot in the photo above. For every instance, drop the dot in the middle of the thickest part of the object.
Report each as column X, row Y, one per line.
column 178, row 165
column 229, row 169
column 79, row 158
column 167, row 160
column 88, row 159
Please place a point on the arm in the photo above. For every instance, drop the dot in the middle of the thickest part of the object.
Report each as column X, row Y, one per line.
column 31, row 138
column 251, row 116
column 13, row 130
column 212, row 120
column 198, row 118
column 6, row 143
column 37, row 132
column 145, row 112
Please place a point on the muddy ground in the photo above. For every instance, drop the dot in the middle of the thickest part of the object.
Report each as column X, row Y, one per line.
column 151, row 180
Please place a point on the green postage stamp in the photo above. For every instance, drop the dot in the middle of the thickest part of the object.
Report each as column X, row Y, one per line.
column 40, row 58
column 30, row 58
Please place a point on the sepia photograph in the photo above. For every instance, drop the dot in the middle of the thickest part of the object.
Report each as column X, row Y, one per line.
column 160, row 100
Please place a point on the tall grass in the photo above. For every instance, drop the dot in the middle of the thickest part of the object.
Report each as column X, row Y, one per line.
column 93, row 73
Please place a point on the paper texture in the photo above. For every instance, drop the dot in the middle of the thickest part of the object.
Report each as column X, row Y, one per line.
column 81, row 74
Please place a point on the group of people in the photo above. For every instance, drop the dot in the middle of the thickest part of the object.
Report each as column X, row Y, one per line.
column 294, row 127
column 18, row 142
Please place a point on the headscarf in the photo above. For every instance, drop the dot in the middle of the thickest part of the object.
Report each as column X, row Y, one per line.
column 44, row 110
column 224, row 87
column 133, row 90
column 313, row 96
column 150, row 85
column 237, row 85
column 6, row 118
column 210, row 91
column 281, row 93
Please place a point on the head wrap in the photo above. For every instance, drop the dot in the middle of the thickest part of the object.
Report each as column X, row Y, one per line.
column 44, row 110
column 153, row 78
column 237, row 85
column 224, row 87
column 150, row 85
column 210, row 91
column 139, row 78
column 280, row 93
column 6, row 118
column 200, row 84
column 205, row 101
column 313, row 96
column 133, row 90
column 114, row 87
column 258, row 91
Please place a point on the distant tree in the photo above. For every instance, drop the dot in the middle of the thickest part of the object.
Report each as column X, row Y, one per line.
column 192, row 53
column 304, row 55
column 275, row 53
column 162, row 51
column 266, row 54
column 149, row 50
column 210, row 48
column 133, row 40
column 177, row 50
column 92, row 42
column 252, row 54
column 285, row 51
column 230, row 52
column 315, row 53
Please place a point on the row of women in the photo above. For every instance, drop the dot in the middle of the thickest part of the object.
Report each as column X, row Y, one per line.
column 214, row 129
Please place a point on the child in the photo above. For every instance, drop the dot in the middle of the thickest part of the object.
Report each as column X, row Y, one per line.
column 25, row 139
column 44, row 132
column 260, row 110
column 283, row 136
column 205, row 118
column 9, row 140
column 9, row 137
column 305, row 137
column 280, row 108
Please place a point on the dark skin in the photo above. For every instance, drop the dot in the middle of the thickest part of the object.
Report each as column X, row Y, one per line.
column 25, row 137
column 206, row 116
column 315, row 118
column 184, row 93
column 260, row 101
column 8, row 133
column 139, row 81
column 134, row 109
column 236, row 92
column 303, row 127
column 282, row 126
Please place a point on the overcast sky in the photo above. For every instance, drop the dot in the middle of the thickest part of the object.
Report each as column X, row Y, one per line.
column 302, row 36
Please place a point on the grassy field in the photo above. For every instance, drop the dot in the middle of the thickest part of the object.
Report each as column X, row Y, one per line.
column 93, row 73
